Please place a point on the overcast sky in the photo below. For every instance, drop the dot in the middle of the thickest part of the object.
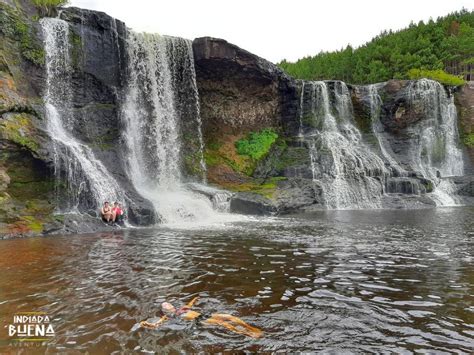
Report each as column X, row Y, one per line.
column 275, row 29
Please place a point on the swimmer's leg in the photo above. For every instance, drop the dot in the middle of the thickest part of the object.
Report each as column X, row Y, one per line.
column 192, row 302
column 234, row 324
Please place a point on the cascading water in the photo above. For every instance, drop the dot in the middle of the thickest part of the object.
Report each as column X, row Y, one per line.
column 153, row 130
column 378, row 131
column 301, row 132
column 88, row 181
column 436, row 153
column 350, row 174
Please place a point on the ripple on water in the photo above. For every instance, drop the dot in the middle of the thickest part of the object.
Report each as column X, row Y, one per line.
column 352, row 281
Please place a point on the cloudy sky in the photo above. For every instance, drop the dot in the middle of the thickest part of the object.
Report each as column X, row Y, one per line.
column 275, row 29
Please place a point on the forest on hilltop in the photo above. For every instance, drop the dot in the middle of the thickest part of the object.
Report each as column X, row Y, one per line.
column 441, row 50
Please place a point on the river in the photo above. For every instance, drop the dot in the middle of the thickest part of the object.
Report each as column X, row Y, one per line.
column 335, row 281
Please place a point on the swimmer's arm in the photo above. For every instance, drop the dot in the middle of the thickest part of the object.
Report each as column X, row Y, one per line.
column 145, row 324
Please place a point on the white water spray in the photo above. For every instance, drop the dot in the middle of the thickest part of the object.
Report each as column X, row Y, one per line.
column 153, row 130
column 377, row 129
column 348, row 171
column 436, row 153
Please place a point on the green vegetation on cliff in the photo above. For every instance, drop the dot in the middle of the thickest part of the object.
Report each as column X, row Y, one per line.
column 256, row 144
column 18, row 129
column 47, row 7
column 15, row 29
column 445, row 44
column 438, row 75
column 468, row 140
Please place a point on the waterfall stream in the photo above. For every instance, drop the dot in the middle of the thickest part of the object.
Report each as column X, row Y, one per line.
column 436, row 153
column 377, row 129
column 153, row 127
column 88, row 182
column 354, row 175
column 350, row 173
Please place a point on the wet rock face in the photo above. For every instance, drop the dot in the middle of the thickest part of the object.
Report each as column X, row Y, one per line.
column 26, row 161
column 464, row 99
column 297, row 194
column 97, row 43
column 464, row 185
column 97, row 46
column 240, row 92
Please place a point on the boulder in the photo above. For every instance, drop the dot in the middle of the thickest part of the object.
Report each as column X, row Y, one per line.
column 252, row 204
column 241, row 92
column 298, row 194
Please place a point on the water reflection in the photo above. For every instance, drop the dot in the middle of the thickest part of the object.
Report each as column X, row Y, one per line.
column 333, row 281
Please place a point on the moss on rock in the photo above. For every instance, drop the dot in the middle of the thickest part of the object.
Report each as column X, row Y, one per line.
column 18, row 128
column 16, row 27
column 264, row 187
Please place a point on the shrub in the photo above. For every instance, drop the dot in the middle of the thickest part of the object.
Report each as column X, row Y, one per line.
column 256, row 144
column 469, row 140
column 47, row 7
column 438, row 75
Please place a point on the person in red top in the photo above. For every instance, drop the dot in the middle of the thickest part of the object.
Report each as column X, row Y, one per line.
column 117, row 212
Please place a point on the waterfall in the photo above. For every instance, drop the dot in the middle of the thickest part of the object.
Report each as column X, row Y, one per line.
column 378, row 131
column 153, row 125
column 350, row 173
column 193, row 84
column 88, row 182
column 435, row 152
column 301, row 132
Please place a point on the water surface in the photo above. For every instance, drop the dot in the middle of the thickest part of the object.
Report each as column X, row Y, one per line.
column 341, row 281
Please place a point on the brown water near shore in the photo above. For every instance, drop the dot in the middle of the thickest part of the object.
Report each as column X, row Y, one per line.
column 340, row 281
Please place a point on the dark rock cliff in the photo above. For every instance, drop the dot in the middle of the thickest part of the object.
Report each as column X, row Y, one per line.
column 100, row 63
column 26, row 158
column 464, row 99
column 241, row 92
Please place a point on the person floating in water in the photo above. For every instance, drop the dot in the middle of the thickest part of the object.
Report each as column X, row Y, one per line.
column 227, row 321
column 106, row 213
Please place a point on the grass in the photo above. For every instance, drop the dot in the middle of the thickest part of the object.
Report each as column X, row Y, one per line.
column 438, row 75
